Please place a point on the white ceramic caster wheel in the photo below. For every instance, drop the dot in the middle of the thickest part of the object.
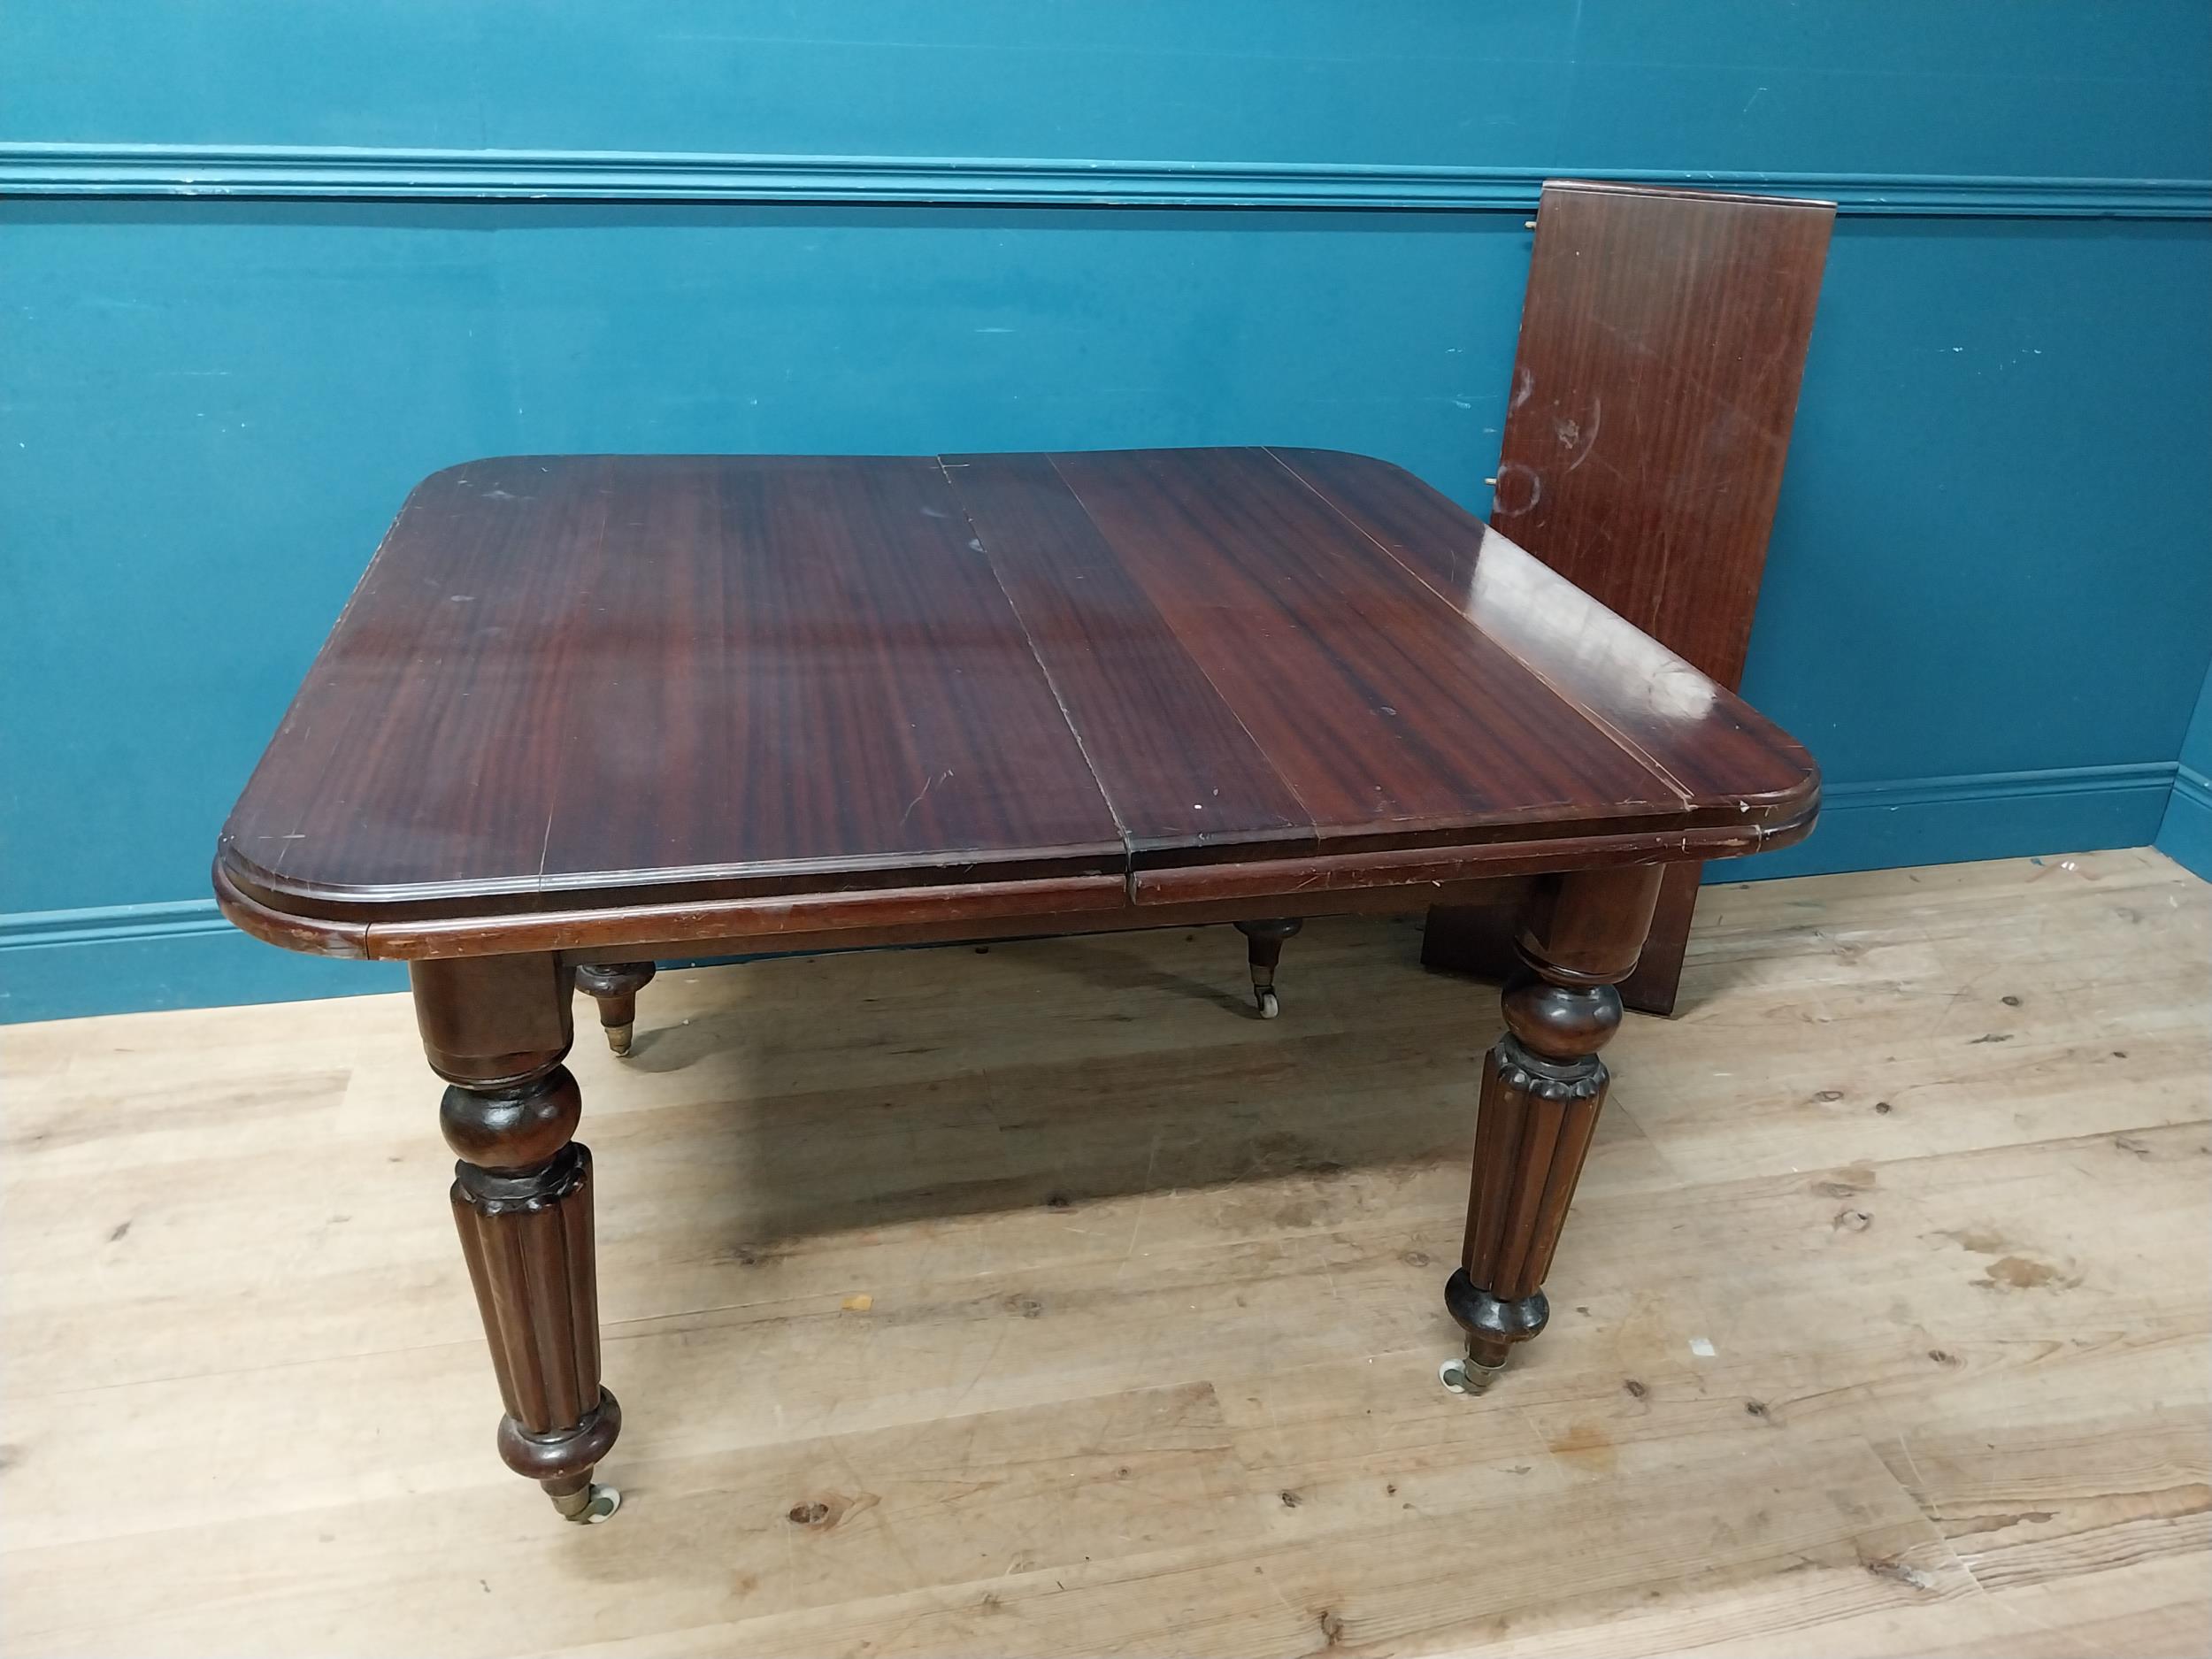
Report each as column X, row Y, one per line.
column 1269, row 1007
column 599, row 1503
column 1463, row 1376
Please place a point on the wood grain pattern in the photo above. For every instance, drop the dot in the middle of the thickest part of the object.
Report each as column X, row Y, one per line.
column 589, row 704
column 1380, row 708
column 1677, row 320
column 1180, row 767
column 1663, row 342
column 1709, row 746
column 1136, row 1271
column 577, row 675
column 584, row 701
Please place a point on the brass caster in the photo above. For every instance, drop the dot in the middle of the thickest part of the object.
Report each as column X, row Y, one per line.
column 589, row 1507
column 614, row 986
column 1463, row 1376
column 1268, row 1006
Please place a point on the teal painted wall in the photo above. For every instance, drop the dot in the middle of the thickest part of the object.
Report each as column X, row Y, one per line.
column 2186, row 835
column 243, row 312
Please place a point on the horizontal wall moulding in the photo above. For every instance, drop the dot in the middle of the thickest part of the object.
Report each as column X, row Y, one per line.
column 325, row 172
column 2000, row 785
column 110, row 924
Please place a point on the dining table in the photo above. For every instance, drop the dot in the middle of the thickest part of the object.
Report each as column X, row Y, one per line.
column 587, row 712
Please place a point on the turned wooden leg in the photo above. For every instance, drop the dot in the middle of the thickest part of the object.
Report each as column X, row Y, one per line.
column 1263, row 949
column 1541, row 1089
column 615, row 985
column 496, row 1029
column 1477, row 940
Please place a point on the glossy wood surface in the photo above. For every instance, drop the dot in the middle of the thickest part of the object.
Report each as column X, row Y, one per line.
column 1179, row 768
column 496, row 1028
column 583, row 700
column 564, row 672
column 1379, row 708
column 1663, row 342
column 1543, row 1085
column 1707, row 744
column 1677, row 322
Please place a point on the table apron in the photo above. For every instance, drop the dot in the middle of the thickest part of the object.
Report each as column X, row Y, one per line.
column 1143, row 898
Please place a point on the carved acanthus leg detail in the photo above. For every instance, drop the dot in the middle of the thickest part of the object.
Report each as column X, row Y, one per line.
column 615, row 985
column 1542, row 1088
column 498, row 1029
column 1264, row 949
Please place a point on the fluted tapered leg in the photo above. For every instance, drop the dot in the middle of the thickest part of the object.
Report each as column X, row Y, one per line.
column 498, row 1030
column 526, row 1234
column 1542, row 1086
column 614, row 986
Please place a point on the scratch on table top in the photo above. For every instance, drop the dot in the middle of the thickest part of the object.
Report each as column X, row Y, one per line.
column 1569, row 431
column 926, row 787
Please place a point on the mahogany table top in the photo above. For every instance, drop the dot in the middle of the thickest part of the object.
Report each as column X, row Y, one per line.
column 583, row 698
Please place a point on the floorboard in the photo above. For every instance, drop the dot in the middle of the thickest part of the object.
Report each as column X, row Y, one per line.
column 1035, row 1299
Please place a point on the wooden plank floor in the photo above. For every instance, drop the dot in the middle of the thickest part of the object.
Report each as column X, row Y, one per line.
column 1040, row 1301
